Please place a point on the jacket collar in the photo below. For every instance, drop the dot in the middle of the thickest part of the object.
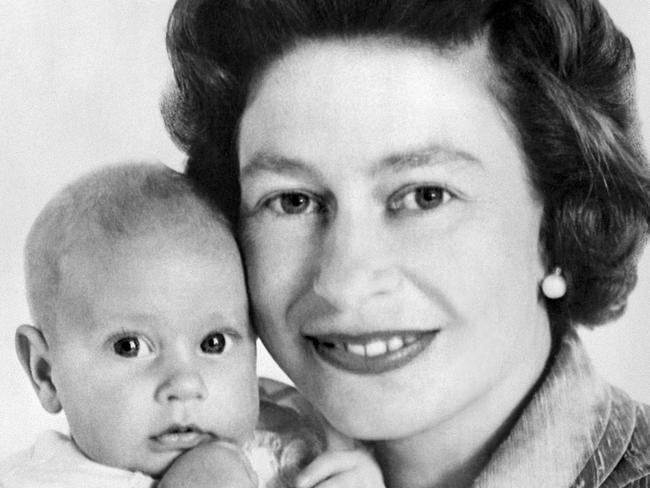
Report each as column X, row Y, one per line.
column 572, row 433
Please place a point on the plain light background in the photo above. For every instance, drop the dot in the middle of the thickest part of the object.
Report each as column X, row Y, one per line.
column 80, row 83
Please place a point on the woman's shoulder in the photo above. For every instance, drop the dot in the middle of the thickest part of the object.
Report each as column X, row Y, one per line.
column 617, row 449
column 576, row 431
column 629, row 427
column 643, row 482
column 635, row 463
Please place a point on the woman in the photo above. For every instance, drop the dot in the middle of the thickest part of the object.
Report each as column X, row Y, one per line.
column 434, row 194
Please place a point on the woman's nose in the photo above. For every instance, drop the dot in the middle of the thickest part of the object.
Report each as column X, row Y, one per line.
column 182, row 386
column 356, row 263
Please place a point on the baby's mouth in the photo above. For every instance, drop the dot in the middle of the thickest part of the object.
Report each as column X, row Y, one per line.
column 180, row 437
column 371, row 353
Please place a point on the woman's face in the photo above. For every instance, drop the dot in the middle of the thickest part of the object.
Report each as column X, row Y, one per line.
column 391, row 236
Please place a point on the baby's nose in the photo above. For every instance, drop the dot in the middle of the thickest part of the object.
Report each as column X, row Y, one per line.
column 182, row 387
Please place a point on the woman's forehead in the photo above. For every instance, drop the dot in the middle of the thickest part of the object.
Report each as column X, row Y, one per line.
column 367, row 99
column 308, row 54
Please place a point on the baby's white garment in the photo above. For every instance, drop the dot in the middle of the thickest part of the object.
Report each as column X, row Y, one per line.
column 54, row 461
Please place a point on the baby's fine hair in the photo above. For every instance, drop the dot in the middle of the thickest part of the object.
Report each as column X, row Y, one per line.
column 105, row 207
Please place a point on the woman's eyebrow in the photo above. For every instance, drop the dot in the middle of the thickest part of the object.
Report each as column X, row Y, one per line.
column 265, row 162
column 433, row 155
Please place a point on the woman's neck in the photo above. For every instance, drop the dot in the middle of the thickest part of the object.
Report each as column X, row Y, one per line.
column 454, row 452
column 451, row 456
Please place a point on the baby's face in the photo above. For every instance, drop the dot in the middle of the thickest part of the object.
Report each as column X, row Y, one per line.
column 153, row 352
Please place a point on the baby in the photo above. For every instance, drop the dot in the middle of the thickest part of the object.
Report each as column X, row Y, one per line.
column 142, row 337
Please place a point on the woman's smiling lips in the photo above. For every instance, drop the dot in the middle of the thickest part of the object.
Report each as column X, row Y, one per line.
column 178, row 437
column 371, row 353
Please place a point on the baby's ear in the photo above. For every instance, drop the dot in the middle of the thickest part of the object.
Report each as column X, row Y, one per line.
column 34, row 354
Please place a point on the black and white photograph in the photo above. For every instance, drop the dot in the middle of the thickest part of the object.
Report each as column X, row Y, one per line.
column 325, row 244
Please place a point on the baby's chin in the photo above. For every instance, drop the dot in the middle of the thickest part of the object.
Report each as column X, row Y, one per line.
column 156, row 469
column 154, row 464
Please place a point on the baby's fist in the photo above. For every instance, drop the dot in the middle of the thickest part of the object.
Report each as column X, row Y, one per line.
column 354, row 468
column 210, row 465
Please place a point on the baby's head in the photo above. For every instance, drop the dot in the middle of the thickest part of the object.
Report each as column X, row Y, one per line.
column 141, row 333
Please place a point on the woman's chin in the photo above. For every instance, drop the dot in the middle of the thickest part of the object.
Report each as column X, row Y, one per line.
column 371, row 424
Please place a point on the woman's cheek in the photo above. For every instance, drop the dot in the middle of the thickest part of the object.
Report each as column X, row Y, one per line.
column 276, row 251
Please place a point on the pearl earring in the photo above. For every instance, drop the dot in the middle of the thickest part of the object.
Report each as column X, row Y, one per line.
column 554, row 284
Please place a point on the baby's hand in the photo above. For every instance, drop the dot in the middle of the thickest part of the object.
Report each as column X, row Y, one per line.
column 210, row 465
column 354, row 468
column 346, row 464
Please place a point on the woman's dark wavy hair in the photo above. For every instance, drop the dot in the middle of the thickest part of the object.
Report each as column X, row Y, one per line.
column 567, row 83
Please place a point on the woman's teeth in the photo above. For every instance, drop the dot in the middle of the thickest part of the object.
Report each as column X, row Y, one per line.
column 371, row 353
column 375, row 347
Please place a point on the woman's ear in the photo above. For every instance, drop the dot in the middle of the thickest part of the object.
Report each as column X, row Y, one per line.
column 34, row 355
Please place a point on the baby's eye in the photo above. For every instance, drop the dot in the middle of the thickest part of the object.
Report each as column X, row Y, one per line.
column 424, row 197
column 293, row 203
column 216, row 343
column 131, row 347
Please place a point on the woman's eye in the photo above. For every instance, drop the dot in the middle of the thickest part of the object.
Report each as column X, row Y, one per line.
column 293, row 203
column 131, row 347
column 216, row 343
column 425, row 197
